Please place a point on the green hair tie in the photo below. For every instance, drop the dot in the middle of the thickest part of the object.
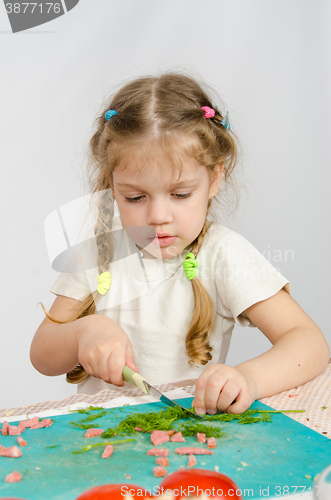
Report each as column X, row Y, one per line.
column 104, row 280
column 190, row 265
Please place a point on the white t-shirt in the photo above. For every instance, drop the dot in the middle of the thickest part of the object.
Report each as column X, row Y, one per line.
column 152, row 299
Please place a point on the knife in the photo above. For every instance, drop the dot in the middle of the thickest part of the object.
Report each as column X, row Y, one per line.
column 134, row 378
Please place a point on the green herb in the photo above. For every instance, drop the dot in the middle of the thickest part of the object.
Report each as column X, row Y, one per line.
column 252, row 416
column 88, row 409
column 166, row 418
column 192, row 429
column 90, row 418
column 83, row 423
column 324, row 407
column 162, row 420
column 106, row 443
column 50, row 447
column 83, row 426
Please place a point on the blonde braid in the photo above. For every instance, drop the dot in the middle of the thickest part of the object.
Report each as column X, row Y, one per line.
column 103, row 228
column 202, row 324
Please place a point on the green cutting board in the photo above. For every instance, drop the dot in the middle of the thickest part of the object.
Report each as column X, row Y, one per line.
column 267, row 458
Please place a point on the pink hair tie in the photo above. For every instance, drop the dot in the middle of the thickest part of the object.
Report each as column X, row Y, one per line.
column 209, row 112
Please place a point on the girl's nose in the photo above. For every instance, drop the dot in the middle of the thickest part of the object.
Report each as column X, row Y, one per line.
column 158, row 212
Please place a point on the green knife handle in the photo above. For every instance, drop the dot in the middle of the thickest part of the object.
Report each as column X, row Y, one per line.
column 134, row 378
column 127, row 375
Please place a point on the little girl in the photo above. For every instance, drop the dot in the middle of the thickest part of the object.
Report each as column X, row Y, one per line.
column 168, row 309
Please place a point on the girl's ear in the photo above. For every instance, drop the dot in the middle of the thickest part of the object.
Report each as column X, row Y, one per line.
column 216, row 180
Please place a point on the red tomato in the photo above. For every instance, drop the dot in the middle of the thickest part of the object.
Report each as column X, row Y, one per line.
column 115, row 492
column 194, row 482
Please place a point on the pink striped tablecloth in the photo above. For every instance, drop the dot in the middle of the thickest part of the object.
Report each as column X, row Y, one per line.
column 314, row 397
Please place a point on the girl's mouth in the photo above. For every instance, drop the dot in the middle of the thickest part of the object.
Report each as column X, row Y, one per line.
column 163, row 240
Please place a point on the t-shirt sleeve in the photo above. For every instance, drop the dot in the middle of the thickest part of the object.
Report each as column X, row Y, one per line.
column 73, row 284
column 243, row 278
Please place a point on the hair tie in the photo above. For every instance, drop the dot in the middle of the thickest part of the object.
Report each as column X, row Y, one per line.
column 104, row 280
column 190, row 265
column 109, row 114
column 209, row 112
column 226, row 122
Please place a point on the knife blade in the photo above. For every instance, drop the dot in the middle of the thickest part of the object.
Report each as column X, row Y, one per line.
column 136, row 379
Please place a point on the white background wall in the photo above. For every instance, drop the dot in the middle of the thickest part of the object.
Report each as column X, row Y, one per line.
column 270, row 61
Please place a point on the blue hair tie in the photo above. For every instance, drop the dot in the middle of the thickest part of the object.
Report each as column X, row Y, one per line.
column 109, row 114
column 226, row 122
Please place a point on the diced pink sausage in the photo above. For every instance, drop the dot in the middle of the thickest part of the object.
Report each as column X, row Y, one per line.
column 47, row 422
column 139, row 429
column 170, row 433
column 21, row 441
column 29, row 423
column 14, row 430
column 192, row 461
column 12, row 452
column 159, row 471
column 178, row 438
column 158, row 452
column 201, row 437
column 21, row 428
column 14, row 477
column 185, row 450
column 159, row 437
column 93, row 432
column 211, row 442
column 162, row 461
column 108, row 451
column 5, row 428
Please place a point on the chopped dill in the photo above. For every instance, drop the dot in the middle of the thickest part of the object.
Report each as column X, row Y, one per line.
column 192, row 429
column 83, row 426
column 90, row 446
column 247, row 417
column 162, row 420
column 84, row 423
column 89, row 418
column 165, row 419
column 54, row 446
column 88, row 409
column 251, row 416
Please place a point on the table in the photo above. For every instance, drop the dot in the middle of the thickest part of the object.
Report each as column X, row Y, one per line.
column 314, row 397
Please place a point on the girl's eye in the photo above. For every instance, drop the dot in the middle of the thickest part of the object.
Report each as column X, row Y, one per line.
column 181, row 196
column 134, row 200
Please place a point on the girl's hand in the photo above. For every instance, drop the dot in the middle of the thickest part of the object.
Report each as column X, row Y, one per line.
column 223, row 388
column 104, row 348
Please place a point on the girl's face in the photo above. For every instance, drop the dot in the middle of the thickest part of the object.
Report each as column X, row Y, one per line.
column 172, row 204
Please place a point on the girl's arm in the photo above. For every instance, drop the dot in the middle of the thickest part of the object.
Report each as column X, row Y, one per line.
column 299, row 353
column 96, row 341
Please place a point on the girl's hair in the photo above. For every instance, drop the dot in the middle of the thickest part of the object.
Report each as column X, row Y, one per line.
column 158, row 113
